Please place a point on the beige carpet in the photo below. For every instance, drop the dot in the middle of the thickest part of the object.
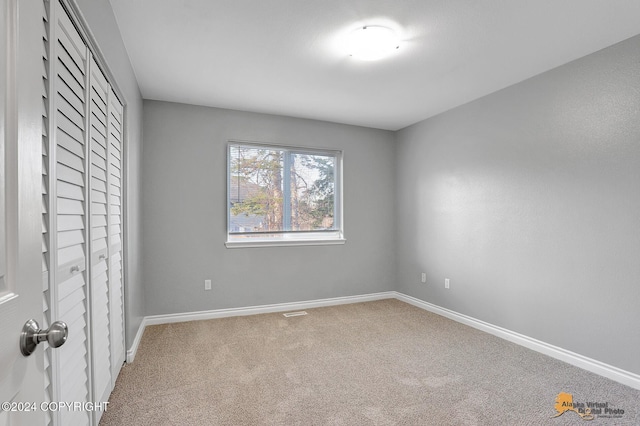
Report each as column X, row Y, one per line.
column 375, row 363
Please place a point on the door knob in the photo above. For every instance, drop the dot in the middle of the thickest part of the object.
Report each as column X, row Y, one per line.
column 31, row 335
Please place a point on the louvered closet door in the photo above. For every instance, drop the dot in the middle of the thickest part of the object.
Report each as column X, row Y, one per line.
column 82, row 220
column 99, row 284
column 116, row 234
column 71, row 361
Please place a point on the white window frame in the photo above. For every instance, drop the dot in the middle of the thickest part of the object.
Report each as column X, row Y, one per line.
column 290, row 238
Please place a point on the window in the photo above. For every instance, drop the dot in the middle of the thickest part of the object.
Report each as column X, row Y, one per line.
column 279, row 195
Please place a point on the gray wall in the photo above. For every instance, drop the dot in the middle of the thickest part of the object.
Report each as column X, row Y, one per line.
column 529, row 201
column 99, row 16
column 184, row 210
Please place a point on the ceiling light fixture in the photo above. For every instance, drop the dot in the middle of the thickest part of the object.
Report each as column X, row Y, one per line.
column 372, row 42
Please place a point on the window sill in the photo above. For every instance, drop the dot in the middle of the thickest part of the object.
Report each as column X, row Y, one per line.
column 284, row 243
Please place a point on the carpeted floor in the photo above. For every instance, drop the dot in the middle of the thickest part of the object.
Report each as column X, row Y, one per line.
column 374, row 363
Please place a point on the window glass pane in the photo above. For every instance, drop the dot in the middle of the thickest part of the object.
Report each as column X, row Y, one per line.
column 255, row 189
column 312, row 192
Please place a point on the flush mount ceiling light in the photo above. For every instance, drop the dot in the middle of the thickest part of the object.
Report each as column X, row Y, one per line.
column 372, row 42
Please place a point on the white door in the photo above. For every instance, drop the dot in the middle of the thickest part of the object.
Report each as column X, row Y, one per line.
column 99, row 225
column 69, row 288
column 116, row 305
column 21, row 378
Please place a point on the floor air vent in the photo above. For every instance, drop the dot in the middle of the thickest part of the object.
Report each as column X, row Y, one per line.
column 295, row 314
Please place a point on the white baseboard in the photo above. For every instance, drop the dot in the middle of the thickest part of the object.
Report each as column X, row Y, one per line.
column 131, row 352
column 265, row 309
column 589, row 364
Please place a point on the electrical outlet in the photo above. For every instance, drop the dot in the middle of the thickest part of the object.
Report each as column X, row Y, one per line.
column 446, row 283
column 424, row 277
column 207, row 284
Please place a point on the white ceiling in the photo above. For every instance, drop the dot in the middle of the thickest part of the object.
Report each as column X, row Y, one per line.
column 285, row 56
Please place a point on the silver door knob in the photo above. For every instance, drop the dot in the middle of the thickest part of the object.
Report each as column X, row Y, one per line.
column 31, row 335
